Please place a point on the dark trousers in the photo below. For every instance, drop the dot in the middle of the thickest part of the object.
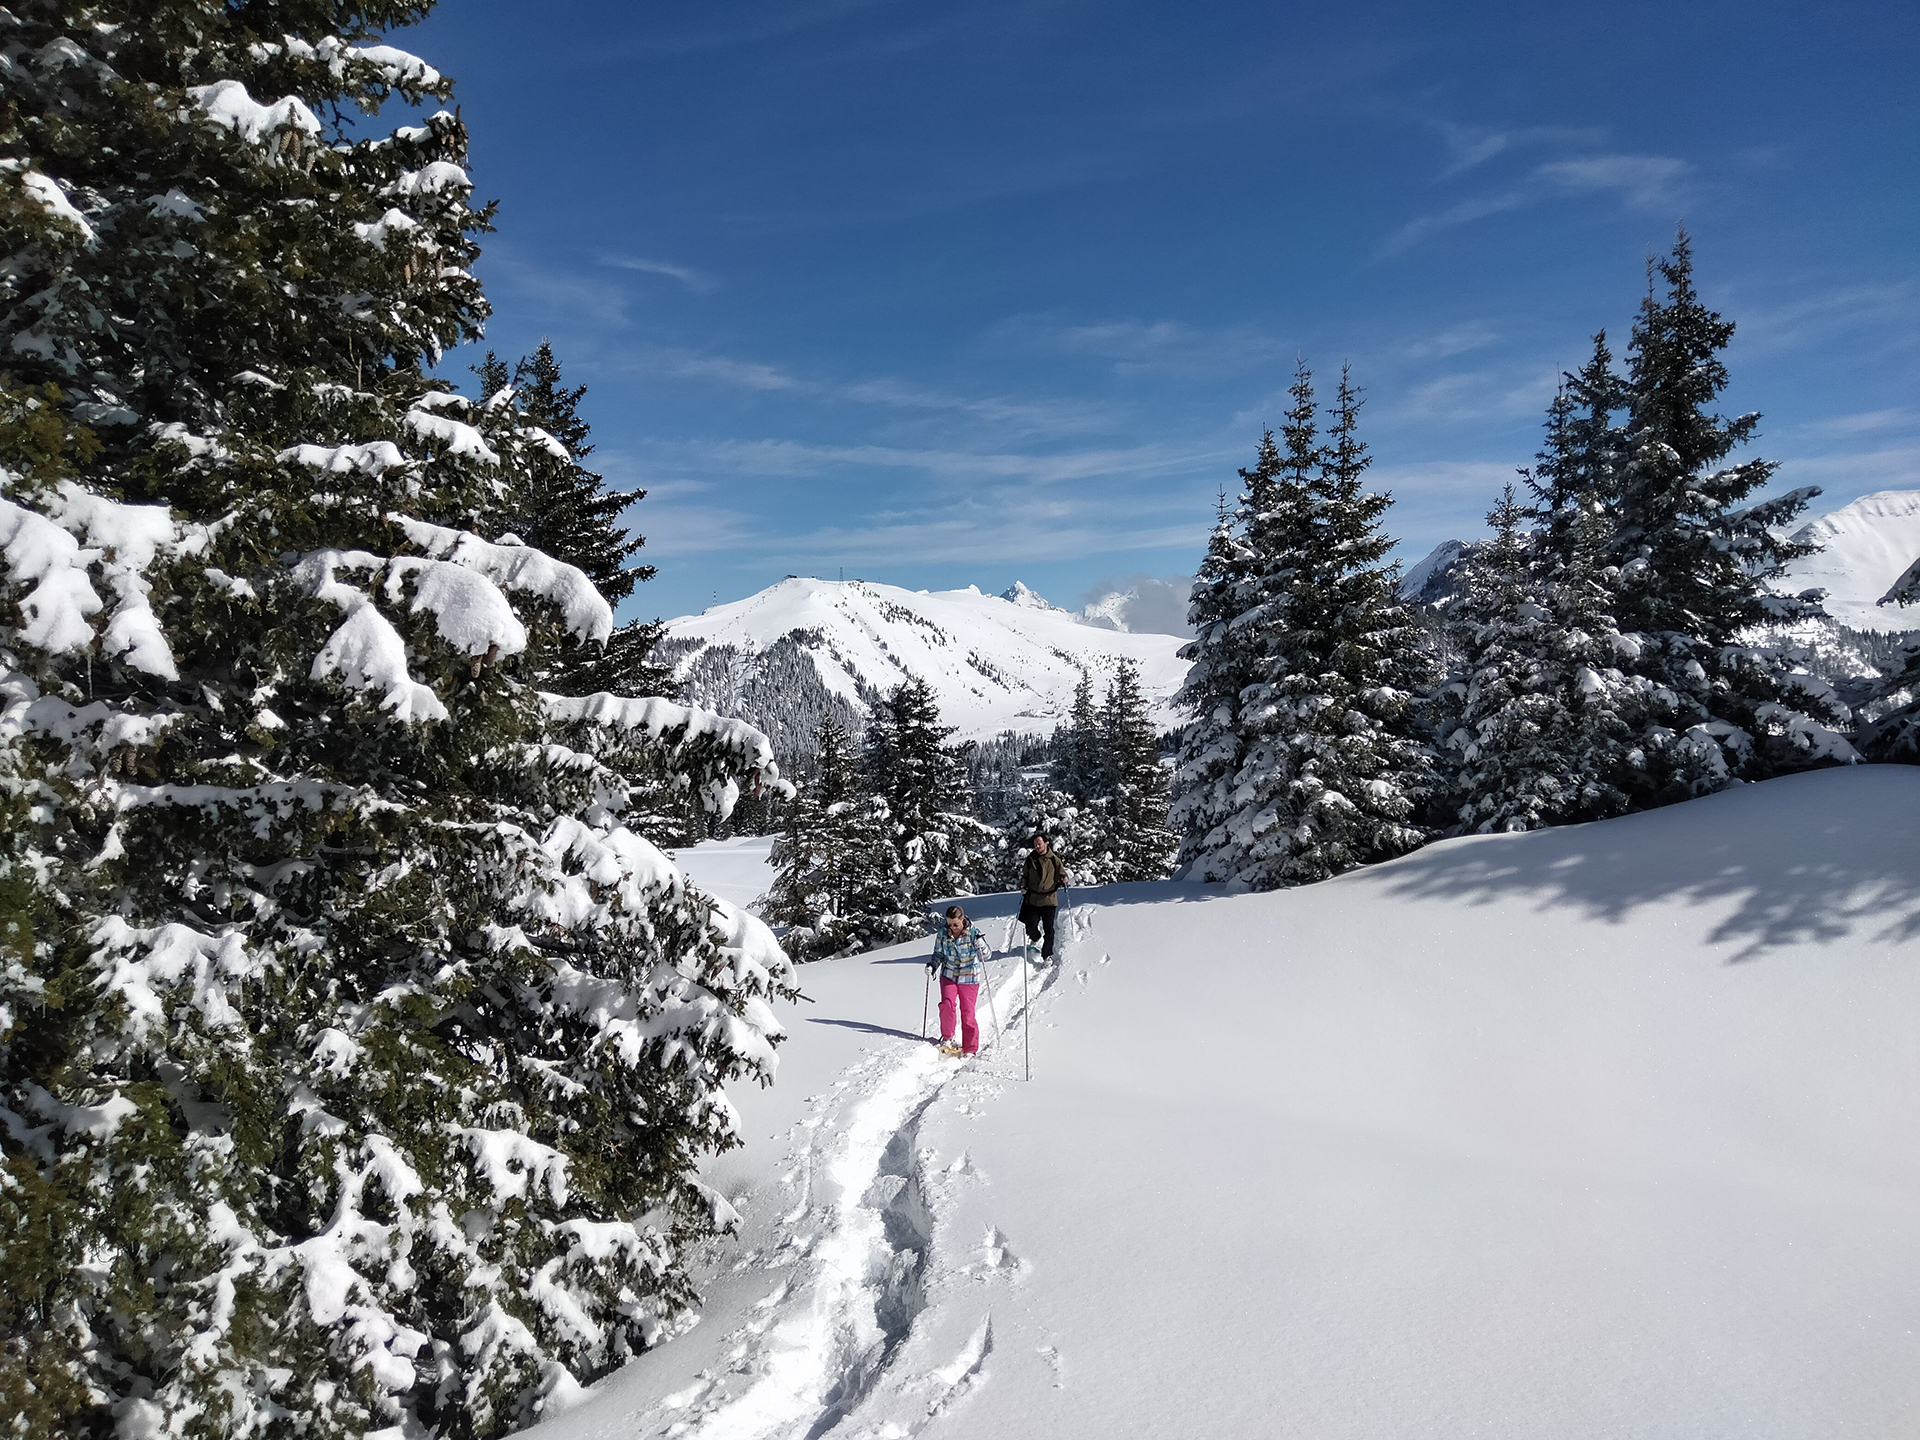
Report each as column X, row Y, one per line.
column 1037, row 918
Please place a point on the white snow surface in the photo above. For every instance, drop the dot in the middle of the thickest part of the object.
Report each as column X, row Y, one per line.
column 739, row 871
column 994, row 663
column 1596, row 1131
column 1868, row 545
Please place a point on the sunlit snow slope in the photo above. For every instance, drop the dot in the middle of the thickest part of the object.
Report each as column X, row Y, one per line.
column 995, row 663
column 1601, row 1131
column 1867, row 546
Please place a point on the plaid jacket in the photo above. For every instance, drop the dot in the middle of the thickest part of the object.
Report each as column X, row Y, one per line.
column 960, row 960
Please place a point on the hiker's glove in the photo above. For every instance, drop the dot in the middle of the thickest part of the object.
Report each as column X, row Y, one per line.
column 933, row 966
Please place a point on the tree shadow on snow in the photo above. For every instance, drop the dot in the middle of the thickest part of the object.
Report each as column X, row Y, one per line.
column 862, row 1025
column 1808, row 859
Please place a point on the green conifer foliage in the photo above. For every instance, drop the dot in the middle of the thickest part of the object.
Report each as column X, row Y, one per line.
column 938, row 847
column 1080, row 765
column 355, row 1057
column 1693, row 564
column 1075, row 832
column 1536, row 730
column 1222, row 657
column 834, row 860
column 566, row 510
column 1328, row 772
column 1896, row 736
column 1136, row 800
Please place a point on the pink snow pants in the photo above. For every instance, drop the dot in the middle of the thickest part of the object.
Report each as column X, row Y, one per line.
column 955, row 996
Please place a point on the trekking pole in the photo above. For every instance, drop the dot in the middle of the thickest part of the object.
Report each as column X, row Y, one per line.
column 1026, row 1009
column 994, row 1011
column 925, row 991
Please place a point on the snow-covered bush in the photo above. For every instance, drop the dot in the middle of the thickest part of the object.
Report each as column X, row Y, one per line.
column 355, row 1056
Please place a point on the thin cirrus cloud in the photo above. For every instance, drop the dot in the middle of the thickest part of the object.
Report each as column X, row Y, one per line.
column 792, row 458
column 1471, row 146
column 1135, row 346
column 1018, row 416
column 1643, row 182
column 698, row 281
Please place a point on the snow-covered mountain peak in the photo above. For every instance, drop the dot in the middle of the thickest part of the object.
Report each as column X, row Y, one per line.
column 1432, row 578
column 1867, row 545
column 995, row 662
column 1019, row 594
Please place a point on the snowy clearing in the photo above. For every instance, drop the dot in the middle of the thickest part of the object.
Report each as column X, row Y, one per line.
column 1589, row 1132
column 739, row 870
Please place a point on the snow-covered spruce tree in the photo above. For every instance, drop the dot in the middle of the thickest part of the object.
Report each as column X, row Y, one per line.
column 1540, row 724
column 1330, row 773
column 1536, row 735
column 1575, row 480
column 1080, row 760
column 833, row 892
column 1136, row 800
column 1693, row 568
column 1075, row 833
column 1222, row 658
column 355, row 1059
column 1895, row 737
column 938, row 846
column 567, row 510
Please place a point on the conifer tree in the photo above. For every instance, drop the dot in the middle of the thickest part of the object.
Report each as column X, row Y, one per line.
column 1136, row 801
column 834, row 862
column 938, row 847
column 1537, row 733
column 1222, row 656
column 1693, row 564
column 1329, row 775
column 1077, row 834
column 1576, row 478
column 356, row 1060
column 1896, row 736
column 570, row 512
column 1080, row 764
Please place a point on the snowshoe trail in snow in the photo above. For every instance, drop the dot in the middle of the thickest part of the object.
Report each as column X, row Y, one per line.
column 879, row 1318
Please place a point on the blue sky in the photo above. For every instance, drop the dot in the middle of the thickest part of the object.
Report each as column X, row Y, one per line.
column 976, row 292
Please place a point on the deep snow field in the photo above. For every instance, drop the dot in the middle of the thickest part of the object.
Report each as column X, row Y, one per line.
column 1600, row 1131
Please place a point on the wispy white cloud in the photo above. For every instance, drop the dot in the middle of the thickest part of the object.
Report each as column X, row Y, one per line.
column 1007, row 416
column 740, row 374
column 1471, row 146
column 1788, row 325
column 1454, row 340
column 773, row 458
column 698, row 281
column 1863, row 422
column 1132, row 345
column 1463, row 212
column 1845, row 475
column 1647, row 182
column 1501, row 393
column 1642, row 182
column 1053, row 417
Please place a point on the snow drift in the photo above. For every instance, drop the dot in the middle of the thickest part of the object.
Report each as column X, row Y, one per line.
column 1587, row 1132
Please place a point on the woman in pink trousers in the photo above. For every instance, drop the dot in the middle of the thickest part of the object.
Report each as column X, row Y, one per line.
column 959, row 951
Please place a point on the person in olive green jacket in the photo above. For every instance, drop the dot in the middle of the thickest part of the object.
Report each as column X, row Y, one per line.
column 1040, row 883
